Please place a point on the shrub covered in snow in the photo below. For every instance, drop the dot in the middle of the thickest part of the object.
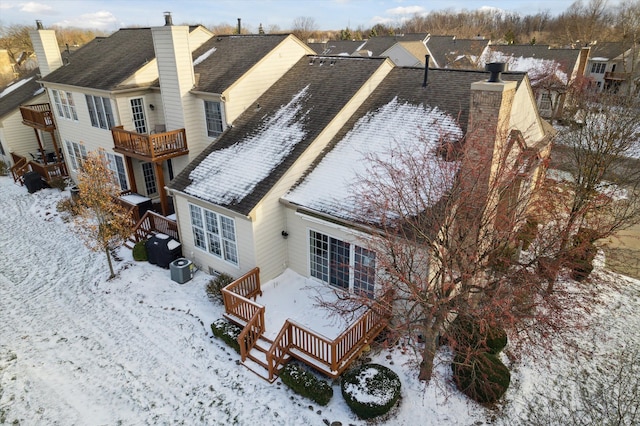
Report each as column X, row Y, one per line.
column 228, row 332
column 215, row 286
column 370, row 390
column 481, row 376
column 306, row 384
column 139, row 251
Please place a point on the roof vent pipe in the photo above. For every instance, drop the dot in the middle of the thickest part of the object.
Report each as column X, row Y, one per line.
column 168, row 21
column 495, row 68
column 239, row 27
column 426, row 70
column 39, row 25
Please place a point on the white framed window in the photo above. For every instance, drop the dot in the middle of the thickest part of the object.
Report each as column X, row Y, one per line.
column 77, row 153
column 213, row 118
column 545, row 102
column 100, row 112
column 65, row 106
column 137, row 111
column 149, row 176
column 116, row 165
column 214, row 233
column 598, row 68
column 342, row 264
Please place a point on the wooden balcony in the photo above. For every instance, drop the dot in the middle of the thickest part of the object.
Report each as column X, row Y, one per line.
column 154, row 147
column 49, row 171
column 328, row 351
column 619, row 76
column 38, row 116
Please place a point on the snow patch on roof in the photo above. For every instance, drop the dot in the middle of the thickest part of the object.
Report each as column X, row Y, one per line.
column 14, row 86
column 537, row 68
column 204, row 56
column 381, row 134
column 37, row 92
column 228, row 175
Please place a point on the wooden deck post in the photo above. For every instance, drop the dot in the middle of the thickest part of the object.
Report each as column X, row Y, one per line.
column 163, row 193
column 132, row 177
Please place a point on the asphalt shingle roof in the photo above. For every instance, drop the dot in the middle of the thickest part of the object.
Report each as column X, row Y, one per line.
column 336, row 47
column 306, row 98
column 20, row 95
column 566, row 58
column 608, row 50
column 378, row 45
column 105, row 62
column 233, row 57
column 450, row 52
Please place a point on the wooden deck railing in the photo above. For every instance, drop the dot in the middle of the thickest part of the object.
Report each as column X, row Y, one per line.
column 38, row 115
column 330, row 356
column 153, row 222
column 616, row 75
column 151, row 147
column 18, row 170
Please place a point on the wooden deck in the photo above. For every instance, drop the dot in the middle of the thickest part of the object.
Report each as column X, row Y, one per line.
column 153, row 223
column 153, row 148
column 38, row 116
column 331, row 356
column 48, row 172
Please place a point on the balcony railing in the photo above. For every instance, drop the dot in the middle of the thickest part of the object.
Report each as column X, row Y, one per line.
column 38, row 116
column 153, row 147
column 616, row 75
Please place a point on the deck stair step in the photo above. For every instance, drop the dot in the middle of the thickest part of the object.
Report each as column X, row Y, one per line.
column 257, row 359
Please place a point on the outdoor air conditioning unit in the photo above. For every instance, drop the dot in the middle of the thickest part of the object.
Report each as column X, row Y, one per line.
column 181, row 270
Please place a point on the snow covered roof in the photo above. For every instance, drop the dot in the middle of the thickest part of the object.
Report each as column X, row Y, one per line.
column 452, row 52
column 222, row 60
column 19, row 93
column 537, row 60
column 399, row 113
column 246, row 161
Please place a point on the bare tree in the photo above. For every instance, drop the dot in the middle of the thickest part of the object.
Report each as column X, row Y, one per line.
column 600, row 152
column 303, row 27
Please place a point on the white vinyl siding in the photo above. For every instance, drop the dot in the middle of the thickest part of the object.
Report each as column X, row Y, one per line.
column 100, row 112
column 214, row 233
column 65, row 106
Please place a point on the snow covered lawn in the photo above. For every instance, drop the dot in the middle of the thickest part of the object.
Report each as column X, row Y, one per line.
column 76, row 349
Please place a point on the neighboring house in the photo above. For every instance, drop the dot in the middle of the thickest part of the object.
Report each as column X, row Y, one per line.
column 384, row 46
column 407, row 53
column 337, row 47
column 614, row 66
column 452, row 52
column 153, row 98
column 551, row 71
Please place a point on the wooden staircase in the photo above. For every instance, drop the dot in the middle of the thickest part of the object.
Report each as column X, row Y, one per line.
column 257, row 360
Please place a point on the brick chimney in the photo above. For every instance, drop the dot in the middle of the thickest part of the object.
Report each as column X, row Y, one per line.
column 45, row 46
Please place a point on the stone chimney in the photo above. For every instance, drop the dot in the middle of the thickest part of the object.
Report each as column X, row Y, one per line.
column 45, row 46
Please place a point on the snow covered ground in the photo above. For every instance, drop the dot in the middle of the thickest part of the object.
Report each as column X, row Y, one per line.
column 76, row 349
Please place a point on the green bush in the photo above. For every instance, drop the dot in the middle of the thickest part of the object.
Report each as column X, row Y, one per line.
column 466, row 332
column 228, row 332
column 60, row 183
column 139, row 251
column 370, row 390
column 215, row 286
column 482, row 377
column 306, row 384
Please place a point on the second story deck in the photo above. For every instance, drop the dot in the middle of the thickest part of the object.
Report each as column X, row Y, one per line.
column 38, row 116
column 154, row 147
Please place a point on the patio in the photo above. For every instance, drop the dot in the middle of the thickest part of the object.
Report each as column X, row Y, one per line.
column 282, row 319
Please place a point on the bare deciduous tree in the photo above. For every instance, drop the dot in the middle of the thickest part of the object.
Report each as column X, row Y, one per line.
column 303, row 27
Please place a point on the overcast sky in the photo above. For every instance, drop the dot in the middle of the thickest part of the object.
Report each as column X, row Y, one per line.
column 110, row 15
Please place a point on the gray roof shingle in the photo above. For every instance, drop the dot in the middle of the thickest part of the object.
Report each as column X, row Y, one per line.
column 233, row 56
column 320, row 90
column 566, row 58
column 20, row 95
column 451, row 52
column 105, row 62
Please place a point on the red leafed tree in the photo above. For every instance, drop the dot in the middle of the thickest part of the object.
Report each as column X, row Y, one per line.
column 448, row 230
column 102, row 223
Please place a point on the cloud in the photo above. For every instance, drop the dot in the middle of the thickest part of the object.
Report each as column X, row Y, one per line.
column 380, row 20
column 101, row 20
column 33, row 7
column 408, row 10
